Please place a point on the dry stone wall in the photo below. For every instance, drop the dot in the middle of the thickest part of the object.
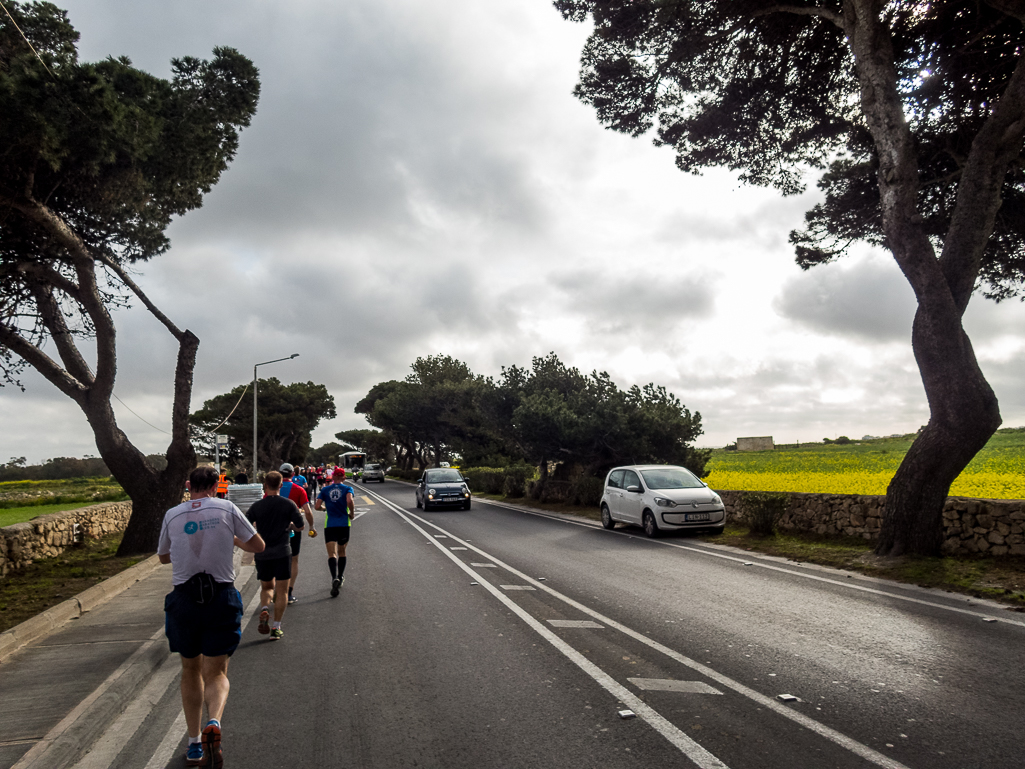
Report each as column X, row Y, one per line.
column 50, row 535
column 994, row 526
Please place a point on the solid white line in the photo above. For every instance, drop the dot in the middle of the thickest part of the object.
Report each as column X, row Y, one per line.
column 747, row 562
column 701, row 757
column 165, row 750
column 767, row 702
column 40, row 747
column 107, row 748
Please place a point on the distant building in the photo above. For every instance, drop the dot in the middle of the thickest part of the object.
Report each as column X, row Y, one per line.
column 756, row 444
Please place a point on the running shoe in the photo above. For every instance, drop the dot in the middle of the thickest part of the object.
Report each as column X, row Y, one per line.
column 292, row 598
column 276, row 634
column 335, row 584
column 194, row 755
column 264, row 626
column 212, row 744
column 341, row 581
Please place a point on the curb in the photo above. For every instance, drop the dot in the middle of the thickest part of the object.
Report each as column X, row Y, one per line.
column 54, row 618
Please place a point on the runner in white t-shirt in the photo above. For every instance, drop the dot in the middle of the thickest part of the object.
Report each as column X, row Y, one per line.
column 204, row 611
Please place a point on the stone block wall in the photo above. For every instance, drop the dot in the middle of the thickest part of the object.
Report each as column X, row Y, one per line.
column 50, row 535
column 994, row 526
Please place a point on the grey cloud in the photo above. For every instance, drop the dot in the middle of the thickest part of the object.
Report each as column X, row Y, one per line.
column 869, row 300
column 622, row 300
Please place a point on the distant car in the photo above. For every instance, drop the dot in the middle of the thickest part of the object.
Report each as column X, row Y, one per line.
column 660, row 498
column 372, row 472
column 442, row 486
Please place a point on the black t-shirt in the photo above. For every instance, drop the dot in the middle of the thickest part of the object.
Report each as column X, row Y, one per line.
column 271, row 516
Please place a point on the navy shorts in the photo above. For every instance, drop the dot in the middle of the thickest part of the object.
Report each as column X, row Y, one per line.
column 296, row 541
column 339, row 534
column 274, row 568
column 211, row 629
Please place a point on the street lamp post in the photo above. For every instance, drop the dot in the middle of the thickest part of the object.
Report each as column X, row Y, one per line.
column 276, row 360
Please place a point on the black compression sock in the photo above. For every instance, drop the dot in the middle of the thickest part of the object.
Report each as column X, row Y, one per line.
column 341, row 566
column 332, row 563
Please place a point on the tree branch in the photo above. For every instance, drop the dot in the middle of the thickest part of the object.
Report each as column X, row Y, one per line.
column 44, row 364
column 799, row 10
column 176, row 332
column 54, row 321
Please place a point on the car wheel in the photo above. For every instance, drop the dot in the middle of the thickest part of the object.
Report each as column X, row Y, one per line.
column 427, row 505
column 419, row 503
column 606, row 518
column 650, row 527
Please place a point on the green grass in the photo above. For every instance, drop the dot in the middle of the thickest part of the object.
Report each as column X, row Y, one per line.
column 45, row 583
column 14, row 515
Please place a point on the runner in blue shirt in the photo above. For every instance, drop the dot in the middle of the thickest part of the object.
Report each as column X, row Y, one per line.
column 341, row 509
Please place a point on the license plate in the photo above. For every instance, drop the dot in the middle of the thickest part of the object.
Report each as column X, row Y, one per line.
column 697, row 517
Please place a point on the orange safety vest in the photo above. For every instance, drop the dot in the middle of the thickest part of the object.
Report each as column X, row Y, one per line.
column 222, row 484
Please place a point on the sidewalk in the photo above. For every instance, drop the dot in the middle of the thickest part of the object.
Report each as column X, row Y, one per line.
column 60, row 692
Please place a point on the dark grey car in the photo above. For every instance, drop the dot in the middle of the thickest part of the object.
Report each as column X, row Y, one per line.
column 442, row 486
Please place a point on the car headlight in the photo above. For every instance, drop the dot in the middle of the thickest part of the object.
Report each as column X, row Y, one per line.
column 432, row 492
column 663, row 502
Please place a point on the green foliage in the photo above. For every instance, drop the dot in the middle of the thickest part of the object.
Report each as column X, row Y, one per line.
column 496, row 480
column 763, row 509
column 287, row 417
column 546, row 414
column 377, row 444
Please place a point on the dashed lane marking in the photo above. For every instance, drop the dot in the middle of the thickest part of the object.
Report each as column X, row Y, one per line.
column 575, row 623
column 516, row 587
column 838, row 738
column 669, row 685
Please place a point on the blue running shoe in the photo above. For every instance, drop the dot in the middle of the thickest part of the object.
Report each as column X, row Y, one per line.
column 194, row 755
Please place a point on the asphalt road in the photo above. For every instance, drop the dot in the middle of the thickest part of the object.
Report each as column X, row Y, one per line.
column 497, row 638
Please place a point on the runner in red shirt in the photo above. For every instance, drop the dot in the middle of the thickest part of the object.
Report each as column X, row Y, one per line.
column 297, row 494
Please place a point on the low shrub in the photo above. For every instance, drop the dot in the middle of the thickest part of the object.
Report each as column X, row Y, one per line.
column 496, row 480
column 762, row 510
column 586, row 491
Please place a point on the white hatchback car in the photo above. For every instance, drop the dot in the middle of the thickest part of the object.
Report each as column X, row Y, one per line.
column 660, row 498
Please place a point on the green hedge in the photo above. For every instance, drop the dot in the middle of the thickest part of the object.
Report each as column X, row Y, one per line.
column 508, row 481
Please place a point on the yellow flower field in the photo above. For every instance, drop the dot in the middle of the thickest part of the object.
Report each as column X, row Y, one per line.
column 997, row 472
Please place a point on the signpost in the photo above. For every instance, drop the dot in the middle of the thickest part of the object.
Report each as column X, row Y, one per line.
column 220, row 442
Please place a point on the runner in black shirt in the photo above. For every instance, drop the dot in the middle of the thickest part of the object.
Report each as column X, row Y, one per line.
column 275, row 518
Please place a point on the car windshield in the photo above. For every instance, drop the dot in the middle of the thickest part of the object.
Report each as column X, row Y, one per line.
column 373, row 467
column 670, row 478
column 444, row 476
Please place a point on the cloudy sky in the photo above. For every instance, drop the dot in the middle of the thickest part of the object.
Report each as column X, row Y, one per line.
column 420, row 180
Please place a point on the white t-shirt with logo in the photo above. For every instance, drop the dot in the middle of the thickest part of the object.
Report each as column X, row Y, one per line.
column 200, row 536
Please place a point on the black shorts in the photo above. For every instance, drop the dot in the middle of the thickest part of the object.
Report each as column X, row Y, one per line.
column 274, row 568
column 296, row 542
column 211, row 629
column 339, row 534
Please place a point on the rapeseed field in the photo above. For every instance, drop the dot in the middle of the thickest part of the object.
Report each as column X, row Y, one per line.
column 997, row 472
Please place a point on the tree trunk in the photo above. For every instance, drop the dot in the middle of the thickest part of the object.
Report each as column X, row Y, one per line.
column 963, row 416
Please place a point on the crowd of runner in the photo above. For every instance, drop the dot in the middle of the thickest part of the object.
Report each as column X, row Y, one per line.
column 204, row 610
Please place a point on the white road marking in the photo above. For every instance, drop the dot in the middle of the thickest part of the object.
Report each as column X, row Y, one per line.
column 457, row 548
column 769, row 703
column 107, row 748
column 516, row 587
column 771, row 567
column 483, row 565
column 575, row 623
column 701, row 757
column 668, row 685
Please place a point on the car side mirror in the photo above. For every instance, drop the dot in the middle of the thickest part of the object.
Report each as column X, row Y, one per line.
column 420, row 482
column 634, row 489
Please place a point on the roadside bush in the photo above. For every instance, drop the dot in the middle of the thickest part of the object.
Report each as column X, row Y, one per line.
column 762, row 510
column 495, row 480
column 514, row 487
column 405, row 475
column 586, row 491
